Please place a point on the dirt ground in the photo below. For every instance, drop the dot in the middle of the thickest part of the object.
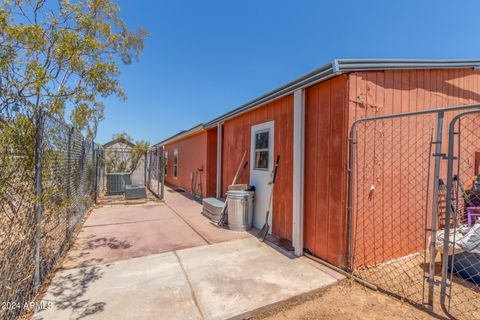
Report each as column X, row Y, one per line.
column 347, row 300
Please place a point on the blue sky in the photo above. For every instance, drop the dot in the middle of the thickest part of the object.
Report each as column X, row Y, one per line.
column 203, row 58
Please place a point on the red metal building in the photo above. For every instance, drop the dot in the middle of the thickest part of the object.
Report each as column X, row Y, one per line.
column 189, row 163
column 306, row 122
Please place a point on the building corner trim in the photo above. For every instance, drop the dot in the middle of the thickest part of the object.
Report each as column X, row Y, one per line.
column 298, row 170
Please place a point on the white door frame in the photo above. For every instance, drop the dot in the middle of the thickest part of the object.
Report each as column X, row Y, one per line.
column 261, row 177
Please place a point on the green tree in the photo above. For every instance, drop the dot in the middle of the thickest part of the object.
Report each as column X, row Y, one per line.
column 125, row 159
column 63, row 55
column 122, row 135
column 138, row 151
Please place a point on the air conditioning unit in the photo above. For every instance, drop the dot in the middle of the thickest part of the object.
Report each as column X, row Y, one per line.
column 116, row 182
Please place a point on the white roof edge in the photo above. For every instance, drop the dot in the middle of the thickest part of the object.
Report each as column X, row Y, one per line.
column 351, row 65
column 180, row 135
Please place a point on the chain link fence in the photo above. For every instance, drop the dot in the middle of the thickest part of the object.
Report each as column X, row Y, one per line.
column 409, row 214
column 156, row 171
column 49, row 179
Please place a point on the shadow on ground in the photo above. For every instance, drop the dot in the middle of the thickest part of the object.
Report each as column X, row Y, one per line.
column 111, row 243
column 81, row 255
column 68, row 290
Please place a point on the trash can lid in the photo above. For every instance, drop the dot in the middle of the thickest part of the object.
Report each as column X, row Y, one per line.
column 238, row 193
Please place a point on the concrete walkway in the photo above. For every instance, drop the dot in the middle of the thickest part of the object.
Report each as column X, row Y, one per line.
column 166, row 261
column 120, row 232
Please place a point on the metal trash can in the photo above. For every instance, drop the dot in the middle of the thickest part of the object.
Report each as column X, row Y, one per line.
column 240, row 209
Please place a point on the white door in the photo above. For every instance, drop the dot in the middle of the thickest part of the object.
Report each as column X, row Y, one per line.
column 261, row 166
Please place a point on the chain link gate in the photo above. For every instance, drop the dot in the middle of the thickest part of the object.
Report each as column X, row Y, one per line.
column 460, row 288
column 156, row 171
column 398, row 201
column 126, row 161
column 392, row 171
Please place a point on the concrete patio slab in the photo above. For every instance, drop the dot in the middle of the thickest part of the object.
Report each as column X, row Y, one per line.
column 167, row 261
column 237, row 277
column 125, row 232
column 191, row 211
column 217, row 281
column 152, row 287
column 120, row 232
column 208, row 231
column 118, row 214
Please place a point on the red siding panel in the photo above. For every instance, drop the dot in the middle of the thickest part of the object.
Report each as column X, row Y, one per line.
column 385, row 92
column 412, row 90
column 192, row 154
column 236, row 140
column 326, row 169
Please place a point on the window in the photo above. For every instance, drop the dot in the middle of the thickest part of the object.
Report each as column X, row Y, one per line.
column 261, row 149
column 165, row 159
column 175, row 163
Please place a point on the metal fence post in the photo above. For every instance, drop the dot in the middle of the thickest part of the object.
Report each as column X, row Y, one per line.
column 158, row 171
column 162, row 173
column 448, row 204
column 69, row 181
column 352, row 143
column 39, row 121
column 145, row 169
column 436, row 175
column 96, row 172
column 149, row 168
column 78, row 212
